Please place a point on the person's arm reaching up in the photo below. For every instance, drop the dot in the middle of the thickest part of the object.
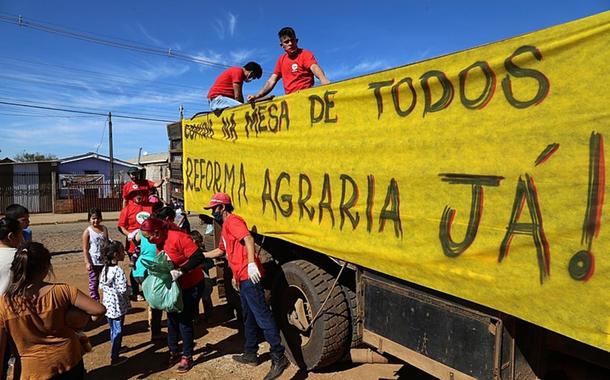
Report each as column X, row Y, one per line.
column 267, row 87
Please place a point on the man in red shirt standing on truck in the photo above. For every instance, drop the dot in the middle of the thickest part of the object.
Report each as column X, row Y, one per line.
column 227, row 89
column 296, row 67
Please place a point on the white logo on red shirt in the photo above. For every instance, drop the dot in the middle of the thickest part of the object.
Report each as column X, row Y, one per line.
column 142, row 216
column 294, row 67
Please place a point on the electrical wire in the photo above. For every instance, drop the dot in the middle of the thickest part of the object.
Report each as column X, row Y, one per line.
column 85, row 112
column 129, row 45
column 100, row 75
column 55, row 105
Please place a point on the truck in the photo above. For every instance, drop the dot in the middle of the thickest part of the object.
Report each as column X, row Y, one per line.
column 449, row 213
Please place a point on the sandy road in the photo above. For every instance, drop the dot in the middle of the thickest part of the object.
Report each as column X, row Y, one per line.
column 216, row 340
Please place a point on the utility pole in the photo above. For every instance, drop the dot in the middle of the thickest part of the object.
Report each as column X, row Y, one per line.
column 111, row 154
column 181, row 112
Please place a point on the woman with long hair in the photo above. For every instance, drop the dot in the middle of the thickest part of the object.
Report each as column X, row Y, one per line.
column 40, row 317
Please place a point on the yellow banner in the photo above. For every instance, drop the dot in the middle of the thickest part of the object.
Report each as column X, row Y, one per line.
column 480, row 174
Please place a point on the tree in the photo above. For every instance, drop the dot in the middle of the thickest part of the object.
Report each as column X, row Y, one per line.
column 29, row 157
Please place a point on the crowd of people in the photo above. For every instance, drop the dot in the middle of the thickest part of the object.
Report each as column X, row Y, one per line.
column 41, row 322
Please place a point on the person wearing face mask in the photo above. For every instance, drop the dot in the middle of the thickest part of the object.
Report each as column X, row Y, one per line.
column 138, row 181
column 179, row 248
column 247, row 269
column 130, row 219
column 296, row 67
column 227, row 89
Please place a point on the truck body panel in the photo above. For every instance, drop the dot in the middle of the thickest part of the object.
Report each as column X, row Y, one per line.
column 479, row 175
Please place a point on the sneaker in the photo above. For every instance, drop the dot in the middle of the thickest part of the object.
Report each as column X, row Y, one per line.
column 118, row 361
column 174, row 357
column 140, row 298
column 185, row 364
column 247, row 358
column 277, row 367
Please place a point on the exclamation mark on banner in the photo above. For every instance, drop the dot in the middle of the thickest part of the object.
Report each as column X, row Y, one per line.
column 582, row 264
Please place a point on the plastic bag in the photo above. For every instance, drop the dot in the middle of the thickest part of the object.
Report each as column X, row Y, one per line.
column 159, row 290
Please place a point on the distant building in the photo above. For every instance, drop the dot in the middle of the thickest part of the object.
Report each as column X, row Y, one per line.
column 84, row 181
column 30, row 184
column 95, row 163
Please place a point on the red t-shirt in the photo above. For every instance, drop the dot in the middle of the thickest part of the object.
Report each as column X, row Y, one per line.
column 224, row 83
column 296, row 71
column 132, row 216
column 234, row 230
column 179, row 246
column 146, row 184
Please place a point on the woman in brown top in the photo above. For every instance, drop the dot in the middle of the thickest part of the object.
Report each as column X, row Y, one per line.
column 40, row 318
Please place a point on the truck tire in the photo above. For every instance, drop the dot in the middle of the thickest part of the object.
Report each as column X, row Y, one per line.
column 350, row 296
column 303, row 286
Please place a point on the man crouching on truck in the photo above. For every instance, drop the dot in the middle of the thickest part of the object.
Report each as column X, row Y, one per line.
column 227, row 89
column 238, row 244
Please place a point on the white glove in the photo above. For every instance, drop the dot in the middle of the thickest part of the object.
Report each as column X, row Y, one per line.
column 175, row 273
column 132, row 234
column 253, row 273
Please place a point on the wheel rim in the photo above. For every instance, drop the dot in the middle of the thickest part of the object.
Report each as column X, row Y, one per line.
column 297, row 313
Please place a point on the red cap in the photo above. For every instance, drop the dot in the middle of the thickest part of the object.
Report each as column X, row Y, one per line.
column 218, row 199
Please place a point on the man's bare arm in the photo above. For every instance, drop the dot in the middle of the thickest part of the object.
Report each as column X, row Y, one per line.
column 267, row 87
column 237, row 92
column 319, row 73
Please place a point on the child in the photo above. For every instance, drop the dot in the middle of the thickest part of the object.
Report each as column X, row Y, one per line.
column 206, row 297
column 22, row 215
column 94, row 237
column 116, row 296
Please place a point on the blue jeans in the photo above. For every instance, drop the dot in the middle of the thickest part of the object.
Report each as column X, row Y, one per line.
column 221, row 102
column 257, row 315
column 116, row 336
column 182, row 323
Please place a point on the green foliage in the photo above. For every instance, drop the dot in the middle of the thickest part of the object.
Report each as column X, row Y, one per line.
column 30, row 157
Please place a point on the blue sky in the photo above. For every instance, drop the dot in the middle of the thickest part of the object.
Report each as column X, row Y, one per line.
column 349, row 38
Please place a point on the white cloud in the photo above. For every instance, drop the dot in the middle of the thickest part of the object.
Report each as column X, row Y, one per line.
column 149, row 36
column 240, row 56
column 219, row 27
column 223, row 27
column 232, row 20
column 344, row 71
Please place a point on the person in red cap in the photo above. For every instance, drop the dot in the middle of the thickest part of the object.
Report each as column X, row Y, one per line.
column 179, row 248
column 130, row 219
column 238, row 245
column 138, row 181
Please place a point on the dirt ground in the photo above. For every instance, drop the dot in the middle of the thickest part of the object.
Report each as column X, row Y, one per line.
column 216, row 340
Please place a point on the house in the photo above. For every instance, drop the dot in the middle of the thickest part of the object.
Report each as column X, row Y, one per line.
column 86, row 181
column 30, row 184
column 95, row 163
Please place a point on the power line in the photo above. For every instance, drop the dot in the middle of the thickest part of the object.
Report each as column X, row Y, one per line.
column 47, row 104
column 98, row 75
column 128, row 45
column 34, row 115
column 85, row 112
